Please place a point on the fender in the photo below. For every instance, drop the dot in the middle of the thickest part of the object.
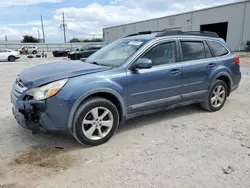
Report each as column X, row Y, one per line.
column 215, row 75
column 86, row 95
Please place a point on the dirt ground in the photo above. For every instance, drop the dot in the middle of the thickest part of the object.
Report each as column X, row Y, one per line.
column 184, row 147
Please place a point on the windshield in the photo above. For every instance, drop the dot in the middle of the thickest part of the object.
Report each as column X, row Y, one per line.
column 116, row 53
column 84, row 47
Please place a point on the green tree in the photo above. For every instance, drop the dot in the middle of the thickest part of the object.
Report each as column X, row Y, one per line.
column 93, row 40
column 86, row 40
column 74, row 40
column 29, row 39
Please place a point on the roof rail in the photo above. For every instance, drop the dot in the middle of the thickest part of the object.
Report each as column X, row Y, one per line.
column 180, row 32
column 144, row 33
column 158, row 31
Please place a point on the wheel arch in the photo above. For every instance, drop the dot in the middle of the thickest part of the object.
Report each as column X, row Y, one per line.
column 108, row 94
column 224, row 76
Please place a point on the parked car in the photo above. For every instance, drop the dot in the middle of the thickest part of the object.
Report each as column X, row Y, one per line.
column 248, row 46
column 84, row 52
column 133, row 76
column 62, row 53
column 28, row 50
column 9, row 55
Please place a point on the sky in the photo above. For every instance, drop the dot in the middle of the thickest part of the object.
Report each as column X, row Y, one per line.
column 84, row 18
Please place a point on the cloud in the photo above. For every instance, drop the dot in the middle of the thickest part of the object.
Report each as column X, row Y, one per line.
column 89, row 21
column 8, row 3
column 31, row 23
column 14, row 34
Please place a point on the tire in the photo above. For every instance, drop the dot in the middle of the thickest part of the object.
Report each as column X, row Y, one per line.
column 34, row 52
column 11, row 58
column 77, row 57
column 215, row 96
column 89, row 134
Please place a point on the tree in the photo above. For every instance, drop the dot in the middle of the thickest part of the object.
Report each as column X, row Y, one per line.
column 29, row 39
column 93, row 40
column 86, row 40
column 74, row 40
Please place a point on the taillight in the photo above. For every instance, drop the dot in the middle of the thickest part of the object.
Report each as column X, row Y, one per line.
column 237, row 59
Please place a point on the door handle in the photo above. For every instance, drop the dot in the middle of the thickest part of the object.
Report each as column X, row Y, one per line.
column 175, row 72
column 211, row 65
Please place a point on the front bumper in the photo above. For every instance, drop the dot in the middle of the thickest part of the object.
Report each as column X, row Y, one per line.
column 38, row 116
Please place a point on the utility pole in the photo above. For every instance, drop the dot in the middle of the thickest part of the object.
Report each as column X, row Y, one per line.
column 42, row 29
column 38, row 34
column 64, row 26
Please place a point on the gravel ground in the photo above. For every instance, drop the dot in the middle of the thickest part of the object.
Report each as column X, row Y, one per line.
column 184, row 147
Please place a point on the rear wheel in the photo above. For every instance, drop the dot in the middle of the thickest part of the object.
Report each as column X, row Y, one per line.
column 216, row 96
column 12, row 58
column 95, row 122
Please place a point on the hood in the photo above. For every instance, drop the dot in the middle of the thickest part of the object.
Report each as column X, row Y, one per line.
column 46, row 73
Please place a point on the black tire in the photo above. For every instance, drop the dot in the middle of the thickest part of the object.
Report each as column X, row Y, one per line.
column 83, row 110
column 11, row 58
column 77, row 57
column 207, row 104
column 34, row 52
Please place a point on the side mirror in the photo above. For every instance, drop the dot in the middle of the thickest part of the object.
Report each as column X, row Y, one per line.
column 143, row 63
column 83, row 59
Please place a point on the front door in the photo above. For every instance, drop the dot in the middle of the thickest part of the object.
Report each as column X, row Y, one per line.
column 159, row 86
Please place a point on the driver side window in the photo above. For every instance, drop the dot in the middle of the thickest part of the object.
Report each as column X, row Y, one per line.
column 161, row 54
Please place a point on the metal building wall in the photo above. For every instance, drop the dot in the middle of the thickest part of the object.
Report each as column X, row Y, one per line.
column 238, row 26
column 232, row 14
column 246, row 32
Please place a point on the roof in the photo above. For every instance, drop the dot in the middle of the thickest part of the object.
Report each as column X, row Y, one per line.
column 224, row 5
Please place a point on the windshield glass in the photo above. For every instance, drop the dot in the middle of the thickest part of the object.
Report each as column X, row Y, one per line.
column 116, row 53
column 84, row 47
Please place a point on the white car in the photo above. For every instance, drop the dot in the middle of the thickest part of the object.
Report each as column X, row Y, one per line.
column 9, row 55
column 28, row 50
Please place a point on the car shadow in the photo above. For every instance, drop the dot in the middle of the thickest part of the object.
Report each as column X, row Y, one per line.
column 63, row 140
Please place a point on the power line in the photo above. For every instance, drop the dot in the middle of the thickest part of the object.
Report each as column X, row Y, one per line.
column 42, row 29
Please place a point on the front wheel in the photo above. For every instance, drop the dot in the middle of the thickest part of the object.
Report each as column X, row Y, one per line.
column 95, row 122
column 12, row 58
column 216, row 96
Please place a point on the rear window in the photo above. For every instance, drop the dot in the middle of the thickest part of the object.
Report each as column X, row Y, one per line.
column 193, row 50
column 218, row 48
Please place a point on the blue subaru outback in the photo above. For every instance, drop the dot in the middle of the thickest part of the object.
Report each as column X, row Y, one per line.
column 133, row 76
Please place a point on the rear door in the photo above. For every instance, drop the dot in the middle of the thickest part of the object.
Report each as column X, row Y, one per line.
column 197, row 64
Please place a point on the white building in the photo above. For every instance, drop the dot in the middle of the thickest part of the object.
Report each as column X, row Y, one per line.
column 230, row 21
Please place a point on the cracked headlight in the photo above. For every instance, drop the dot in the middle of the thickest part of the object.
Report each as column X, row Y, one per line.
column 48, row 90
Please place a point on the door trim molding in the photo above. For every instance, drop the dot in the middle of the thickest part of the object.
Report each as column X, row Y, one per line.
column 154, row 104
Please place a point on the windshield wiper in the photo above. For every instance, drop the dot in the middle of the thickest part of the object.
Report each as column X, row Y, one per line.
column 96, row 63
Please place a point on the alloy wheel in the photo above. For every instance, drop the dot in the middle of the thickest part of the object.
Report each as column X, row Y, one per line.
column 218, row 96
column 97, row 123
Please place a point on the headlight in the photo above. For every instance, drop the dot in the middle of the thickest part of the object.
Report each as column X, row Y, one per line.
column 48, row 90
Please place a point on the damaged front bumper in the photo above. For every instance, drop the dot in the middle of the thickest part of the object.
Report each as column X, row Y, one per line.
column 29, row 113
